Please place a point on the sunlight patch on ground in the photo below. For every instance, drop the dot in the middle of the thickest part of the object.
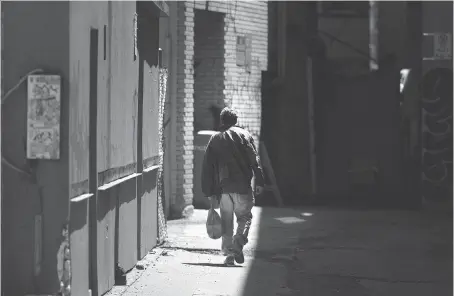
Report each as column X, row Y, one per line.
column 290, row 220
column 257, row 217
column 306, row 214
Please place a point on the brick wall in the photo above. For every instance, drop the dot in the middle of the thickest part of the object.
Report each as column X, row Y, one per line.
column 242, row 89
column 185, row 108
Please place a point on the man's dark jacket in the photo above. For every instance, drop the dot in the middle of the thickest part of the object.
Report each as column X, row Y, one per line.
column 230, row 162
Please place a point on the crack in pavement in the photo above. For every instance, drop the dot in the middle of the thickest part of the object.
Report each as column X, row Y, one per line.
column 257, row 254
column 194, row 250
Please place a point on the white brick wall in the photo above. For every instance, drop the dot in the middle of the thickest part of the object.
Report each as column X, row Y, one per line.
column 242, row 90
column 185, row 106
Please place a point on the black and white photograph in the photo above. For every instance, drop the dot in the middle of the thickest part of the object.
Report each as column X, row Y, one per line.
column 226, row 148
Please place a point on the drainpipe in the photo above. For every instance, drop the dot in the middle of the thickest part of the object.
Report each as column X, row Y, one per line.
column 373, row 35
column 172, row 86
column 415, row 39
column 281, row 38
column 1, row 96
column 311, row 16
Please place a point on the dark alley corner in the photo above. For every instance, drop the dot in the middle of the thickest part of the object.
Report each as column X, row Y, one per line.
column 108, row 107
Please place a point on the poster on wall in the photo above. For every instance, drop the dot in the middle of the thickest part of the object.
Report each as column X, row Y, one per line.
column 443, row 46
column 43, row 117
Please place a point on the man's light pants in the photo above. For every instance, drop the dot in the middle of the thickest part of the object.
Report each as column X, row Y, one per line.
column 240, row 205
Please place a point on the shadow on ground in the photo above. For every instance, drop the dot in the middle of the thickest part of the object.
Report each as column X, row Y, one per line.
column 212, row 265
column 323, row 251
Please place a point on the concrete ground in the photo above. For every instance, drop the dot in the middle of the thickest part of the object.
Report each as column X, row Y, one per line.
column 313, row 252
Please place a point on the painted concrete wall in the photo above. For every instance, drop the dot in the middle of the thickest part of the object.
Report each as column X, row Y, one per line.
column 242, row 89
column 41, row 40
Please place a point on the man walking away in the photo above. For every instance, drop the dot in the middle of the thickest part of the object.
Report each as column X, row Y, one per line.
column 230, row 162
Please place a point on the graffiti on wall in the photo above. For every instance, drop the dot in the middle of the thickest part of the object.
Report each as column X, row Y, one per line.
column 437, row 134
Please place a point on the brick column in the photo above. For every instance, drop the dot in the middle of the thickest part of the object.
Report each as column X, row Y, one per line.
column 182, row 202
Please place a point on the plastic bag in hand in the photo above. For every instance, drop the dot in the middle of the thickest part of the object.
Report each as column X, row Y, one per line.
column 214, row 224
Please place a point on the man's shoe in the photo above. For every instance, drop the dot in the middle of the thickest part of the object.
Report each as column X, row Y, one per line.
column 239, row 257
column 238, row 252
column 229, row 261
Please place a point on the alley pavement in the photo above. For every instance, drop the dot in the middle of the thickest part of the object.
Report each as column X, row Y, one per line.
column 305, row 251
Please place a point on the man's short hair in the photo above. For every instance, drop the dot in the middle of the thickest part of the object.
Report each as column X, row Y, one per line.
column 229, row 117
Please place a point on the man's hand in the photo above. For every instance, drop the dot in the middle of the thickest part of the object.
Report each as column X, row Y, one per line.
column 259, row 190
column 214, row 201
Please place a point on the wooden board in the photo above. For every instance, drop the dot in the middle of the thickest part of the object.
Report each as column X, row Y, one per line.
column 79, row 242
column 268, row 170
column 148, row 212
column 127, row 224
column 105, row 240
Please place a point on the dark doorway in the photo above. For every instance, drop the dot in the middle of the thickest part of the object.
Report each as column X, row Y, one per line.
column 208, row 69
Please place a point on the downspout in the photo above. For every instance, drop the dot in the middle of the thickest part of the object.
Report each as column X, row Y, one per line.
column 1, row 187
column 172, row 84
column 373, row 35
column 281, row 38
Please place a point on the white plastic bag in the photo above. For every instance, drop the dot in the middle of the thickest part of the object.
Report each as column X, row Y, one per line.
column 214, row 224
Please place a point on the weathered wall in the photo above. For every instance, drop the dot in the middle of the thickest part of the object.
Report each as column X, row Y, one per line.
column 41, row 40
column 117, row 91
column 242, row 90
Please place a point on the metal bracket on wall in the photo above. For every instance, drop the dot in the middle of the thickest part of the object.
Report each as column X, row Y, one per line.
column 38, row 244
